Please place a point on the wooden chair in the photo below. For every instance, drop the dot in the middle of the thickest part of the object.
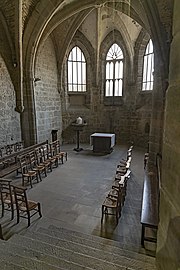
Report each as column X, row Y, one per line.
column 39, row 168
column 112, row 206
column 28, row 175
column 61, row 154
column 41, row 161
column 48, row 156
column 25, row 208
column 121, row 182
column 7, row 197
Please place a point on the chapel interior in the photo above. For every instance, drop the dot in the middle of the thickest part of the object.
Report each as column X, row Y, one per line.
column 37, row 102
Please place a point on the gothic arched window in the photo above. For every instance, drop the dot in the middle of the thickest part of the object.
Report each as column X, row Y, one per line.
column 148, row 67
column 76, row 71
column 114, row 71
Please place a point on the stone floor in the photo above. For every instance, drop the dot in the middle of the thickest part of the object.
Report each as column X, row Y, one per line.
column 72, row 194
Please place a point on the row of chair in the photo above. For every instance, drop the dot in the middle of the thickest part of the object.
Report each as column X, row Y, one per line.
column 11, row 148
column 40, row 161
column 15, row 198
column 114, row 200
column 32, row 165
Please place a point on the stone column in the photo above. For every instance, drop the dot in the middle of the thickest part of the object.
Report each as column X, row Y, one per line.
column 18, row 64
column 168, row 245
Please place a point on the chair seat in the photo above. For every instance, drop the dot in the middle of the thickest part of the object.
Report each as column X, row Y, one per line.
column 110, row 202
column 30, row 204
column 30, row 173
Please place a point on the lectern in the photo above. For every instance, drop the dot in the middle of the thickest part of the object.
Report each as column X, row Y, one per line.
column 78, row 128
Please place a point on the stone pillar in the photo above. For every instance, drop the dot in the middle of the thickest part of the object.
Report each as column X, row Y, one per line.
column 157, row 117
column 168, row 245
column 18, row 64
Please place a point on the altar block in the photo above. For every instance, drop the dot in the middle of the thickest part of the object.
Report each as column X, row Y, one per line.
column 102, row 142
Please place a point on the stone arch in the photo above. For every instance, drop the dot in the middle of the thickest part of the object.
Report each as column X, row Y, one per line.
column 140, row 47
column 83, row 43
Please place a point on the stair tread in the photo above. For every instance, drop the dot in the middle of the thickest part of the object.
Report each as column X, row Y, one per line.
column 65, row 254
column 102, row 244
column 115, row 258
column 91, row 237
column 40, row 256
column 10, row 266
column 22, row 261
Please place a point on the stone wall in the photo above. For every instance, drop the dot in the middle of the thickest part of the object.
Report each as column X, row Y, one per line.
column 47, row 97
column 168, row 247
column 10, row 131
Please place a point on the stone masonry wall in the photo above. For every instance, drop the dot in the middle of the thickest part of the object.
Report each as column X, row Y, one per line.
column 47, row 98
column 10, row 131
column 168, row 246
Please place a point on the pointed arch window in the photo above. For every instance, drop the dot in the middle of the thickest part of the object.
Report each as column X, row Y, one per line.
column 76, row 70
column 148, row 67
column 114, row 71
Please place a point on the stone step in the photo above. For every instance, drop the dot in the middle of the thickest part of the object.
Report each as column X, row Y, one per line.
column 95, row 241
column 65, row 254
column 5, row 265
column 83, row 236
column 21, row 261
column 40, row 256
column 109, row 256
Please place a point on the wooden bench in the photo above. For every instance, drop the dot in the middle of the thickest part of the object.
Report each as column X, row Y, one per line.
column 150, row 206
column 11, row 161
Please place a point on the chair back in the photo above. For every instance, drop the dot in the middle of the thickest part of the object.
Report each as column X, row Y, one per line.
column 5, row 190
column 20, row 196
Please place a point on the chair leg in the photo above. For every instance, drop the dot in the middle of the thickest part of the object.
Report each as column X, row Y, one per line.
column 2, row 213
column 30, row 180
column 39, row 210
column 102, row 213
column 12, row 212
column 117, row 215
column 17, row 215
column 39, row 173
column 29, row 218
column 1, row 234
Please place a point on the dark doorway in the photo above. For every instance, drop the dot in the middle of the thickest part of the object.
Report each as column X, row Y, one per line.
column 54, row 135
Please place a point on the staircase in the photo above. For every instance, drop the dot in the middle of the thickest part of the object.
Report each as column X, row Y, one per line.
column 59, row 249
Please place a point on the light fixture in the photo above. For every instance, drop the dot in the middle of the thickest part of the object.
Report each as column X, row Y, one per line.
column 37, row 79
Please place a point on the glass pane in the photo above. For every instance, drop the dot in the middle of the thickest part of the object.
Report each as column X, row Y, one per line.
column 70, row 87
column 69, row 72
column 118, row 88
column 145, row 69
column 74, row 86
column 78, row 54
column 116, row 70
column 111, row 69
column 79, row 73
column 84, row 73
column 114, row 52
column 74, row 54
column 109, row 88
column 107, row 70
